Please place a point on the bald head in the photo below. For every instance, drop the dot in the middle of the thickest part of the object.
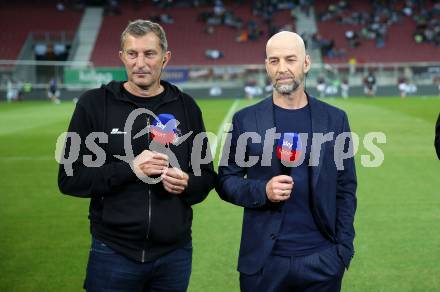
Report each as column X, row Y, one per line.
column 287, row 62
column 286, row 41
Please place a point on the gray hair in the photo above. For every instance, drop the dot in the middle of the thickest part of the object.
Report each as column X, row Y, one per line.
column 139, row 28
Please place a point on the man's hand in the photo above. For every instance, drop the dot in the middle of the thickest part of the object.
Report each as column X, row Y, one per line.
column 150, row 163
column 279, row 188
column 175, row 180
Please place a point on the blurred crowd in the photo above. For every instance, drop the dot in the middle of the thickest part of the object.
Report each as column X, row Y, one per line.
column 374, row 24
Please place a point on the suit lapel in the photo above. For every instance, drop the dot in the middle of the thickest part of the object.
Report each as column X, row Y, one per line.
column 264, row 116
column 319, row 125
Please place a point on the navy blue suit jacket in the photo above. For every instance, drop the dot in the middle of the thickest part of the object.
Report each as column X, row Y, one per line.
column 333, row 191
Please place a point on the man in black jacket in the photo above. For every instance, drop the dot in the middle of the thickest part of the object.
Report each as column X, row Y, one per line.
column 140, row 209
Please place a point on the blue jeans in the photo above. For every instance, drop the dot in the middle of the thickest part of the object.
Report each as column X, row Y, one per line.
column 110, row 271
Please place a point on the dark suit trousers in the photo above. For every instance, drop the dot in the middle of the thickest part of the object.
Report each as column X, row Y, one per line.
column 320, row 272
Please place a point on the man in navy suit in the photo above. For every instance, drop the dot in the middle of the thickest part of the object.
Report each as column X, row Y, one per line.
column 298, row 217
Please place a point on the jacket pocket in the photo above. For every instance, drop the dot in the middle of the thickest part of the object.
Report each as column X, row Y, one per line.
column 171, row 218
column 331, row 263
column 345, row 254
column 125, row 209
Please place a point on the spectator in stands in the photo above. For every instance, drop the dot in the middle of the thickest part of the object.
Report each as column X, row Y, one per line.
column 140, row 207
column 162, row 18
column 166, row 18
column 327, row 48
column 164, row 4
column 40, row 51
column 53, row 92
column 242, row 37
column 370, row 84
column 60, row 51
column 418, row 37
column 209, row 29
column 219, row 9
column 253, row 31
column 427, row 28
column 375, row 23
column 112, row 8
column 214, row 54
column 60, row 6
column 289, row 27
column 334, row 11
column 230, row 20
column 306, row 6
column 246, row 30
column 79, row 4
column 272, row 29
column 315, row 41
column 352, row 38
column 407, row 10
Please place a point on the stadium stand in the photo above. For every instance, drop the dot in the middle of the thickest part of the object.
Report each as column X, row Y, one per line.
column 39, row 16
column 196, row 36
column 398, row 44
column 187, row 37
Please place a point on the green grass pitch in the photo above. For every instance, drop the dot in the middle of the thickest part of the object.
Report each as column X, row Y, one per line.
column 44, row 239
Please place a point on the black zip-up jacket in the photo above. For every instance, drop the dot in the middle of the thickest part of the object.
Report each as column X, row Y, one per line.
column 142, row 221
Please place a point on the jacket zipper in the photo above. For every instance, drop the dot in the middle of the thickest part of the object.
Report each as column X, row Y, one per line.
column 148, row 224
column 149, row 204
column 149, row 194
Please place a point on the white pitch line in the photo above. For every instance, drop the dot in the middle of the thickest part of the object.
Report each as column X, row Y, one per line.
column 221, row 129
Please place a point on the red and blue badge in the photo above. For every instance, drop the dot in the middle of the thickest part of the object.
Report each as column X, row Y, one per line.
column 163, row 130
column 289, row 147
